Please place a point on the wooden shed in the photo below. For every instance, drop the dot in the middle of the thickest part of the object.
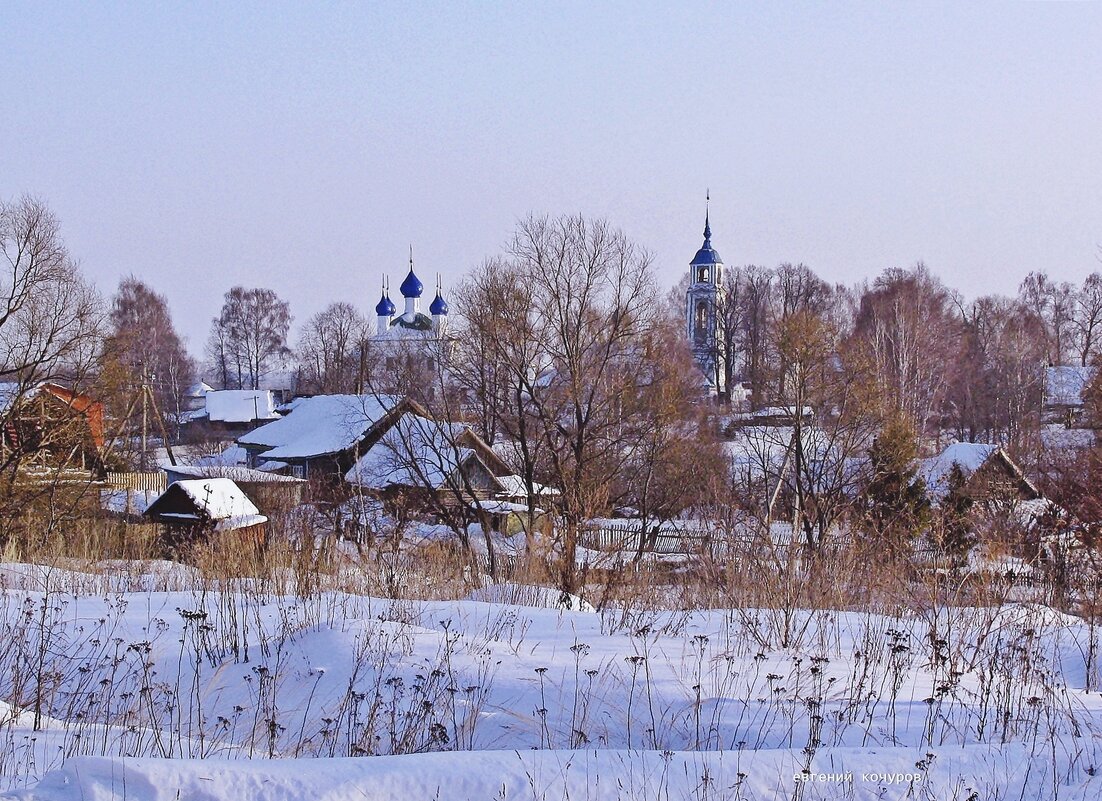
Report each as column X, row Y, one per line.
column 195, row 510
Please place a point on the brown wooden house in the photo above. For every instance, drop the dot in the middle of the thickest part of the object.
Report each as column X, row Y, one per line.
column 49, row 427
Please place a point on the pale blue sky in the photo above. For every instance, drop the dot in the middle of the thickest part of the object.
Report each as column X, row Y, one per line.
column 305, row 146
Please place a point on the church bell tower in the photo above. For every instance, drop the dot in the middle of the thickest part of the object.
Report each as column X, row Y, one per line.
column 702, row 310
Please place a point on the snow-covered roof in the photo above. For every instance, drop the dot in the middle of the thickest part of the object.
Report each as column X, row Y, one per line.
column 271, row 466
column 233, row 472
column 1064, row 385
column 514, row 487
column 505, row 507
column 321, row 425
column 232, row 454
column 191, row 415
column 239, row 521
column 280, row 380
column 413, row 326
column 970, row 456
column 758, row 450
column 218, row 500
column 780, row 411
column 240, row 405
column 416, row 451
column 199, row 389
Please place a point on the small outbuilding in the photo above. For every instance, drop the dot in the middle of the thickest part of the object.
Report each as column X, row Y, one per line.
column 195, row 509
column 988, row 471
column 272, row 493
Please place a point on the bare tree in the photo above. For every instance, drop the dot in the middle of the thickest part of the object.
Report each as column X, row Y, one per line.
column 593, row 300
column 757, row 294
column 731, row 313
column 798, row 291
column 498, row 361
column 1088, row 318
column 1055, row 305
column 994, row 383
column 671, row 449
column 331, row 347
column 833, row 423
column 248, row 336
column 908, row 328
column 50, row 329
column 144, row 349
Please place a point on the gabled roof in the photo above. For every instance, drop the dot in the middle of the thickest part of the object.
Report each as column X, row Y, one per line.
column 970, row 456
column 199, row 389
column 513, row 486
column 206, row 500
column 240, row 405
column 320, row 426
column 12, row 392
column 415, row 452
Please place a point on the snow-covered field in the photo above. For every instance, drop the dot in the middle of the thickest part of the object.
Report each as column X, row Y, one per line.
column 148, row 682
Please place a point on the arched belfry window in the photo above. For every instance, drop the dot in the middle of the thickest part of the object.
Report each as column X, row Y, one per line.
column 702, row 275
column 700, row 326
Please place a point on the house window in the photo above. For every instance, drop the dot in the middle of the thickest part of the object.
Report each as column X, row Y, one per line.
column 298, row 470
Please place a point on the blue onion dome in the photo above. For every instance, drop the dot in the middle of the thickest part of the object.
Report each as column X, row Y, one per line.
column 707, row 254
column 385, row 307
column 439, row 305
column 412, row 286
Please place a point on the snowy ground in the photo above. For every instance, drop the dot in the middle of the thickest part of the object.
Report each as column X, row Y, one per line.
column 147, row 680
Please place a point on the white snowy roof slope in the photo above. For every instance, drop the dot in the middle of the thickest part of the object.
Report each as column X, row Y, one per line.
column 240, row 405
column 217, row 499
column 234, row 472
column 415, row 452
column 320, row 425
column 971, row 456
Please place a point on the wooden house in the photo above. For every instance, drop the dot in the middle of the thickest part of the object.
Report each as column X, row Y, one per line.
column 322, row 436
column 51, row 427
column 414, row 453
column 990, row 474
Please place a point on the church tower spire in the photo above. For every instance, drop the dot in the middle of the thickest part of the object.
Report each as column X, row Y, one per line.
column 411, row 289
column 707, row 213
column 702, row 306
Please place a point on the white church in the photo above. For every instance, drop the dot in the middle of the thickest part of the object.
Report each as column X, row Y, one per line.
column 410, row 342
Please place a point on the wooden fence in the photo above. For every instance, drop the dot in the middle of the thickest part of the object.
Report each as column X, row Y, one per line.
column 144, row 482
column 627, row 538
